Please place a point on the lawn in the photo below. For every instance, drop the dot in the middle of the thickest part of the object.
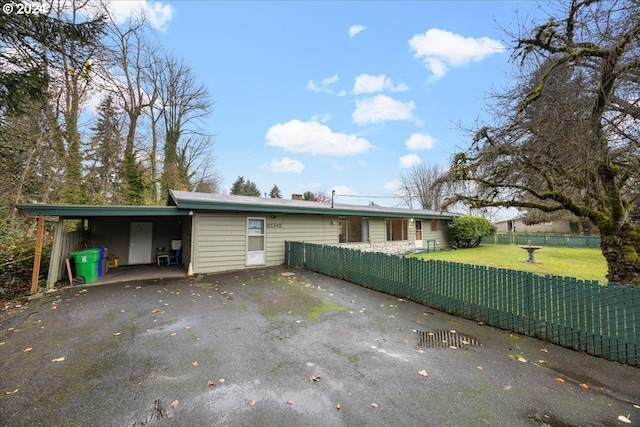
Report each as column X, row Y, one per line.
column 582, row 263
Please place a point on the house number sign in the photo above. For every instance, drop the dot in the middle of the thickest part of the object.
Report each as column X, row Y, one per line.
column 274, row 225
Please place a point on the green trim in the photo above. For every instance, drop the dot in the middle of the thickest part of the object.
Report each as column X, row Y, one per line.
column 337, row 211
column 88, row 211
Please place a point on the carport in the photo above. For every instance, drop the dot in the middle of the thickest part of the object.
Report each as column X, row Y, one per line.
column 132, row 234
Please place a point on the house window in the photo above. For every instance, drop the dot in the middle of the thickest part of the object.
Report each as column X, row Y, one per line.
column 437, row 225
column 354, row 229
column 397, row 229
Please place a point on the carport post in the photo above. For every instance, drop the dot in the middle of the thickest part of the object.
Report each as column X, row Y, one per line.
column 38, row 255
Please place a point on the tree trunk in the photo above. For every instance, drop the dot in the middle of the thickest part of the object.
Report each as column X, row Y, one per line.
column 621, row 249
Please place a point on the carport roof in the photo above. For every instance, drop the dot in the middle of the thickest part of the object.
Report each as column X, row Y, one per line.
column 91, row 211
column 217, row 202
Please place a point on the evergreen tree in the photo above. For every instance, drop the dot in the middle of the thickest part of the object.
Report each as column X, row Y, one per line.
column 240, row 187
column 104, row 155
column 275, row 192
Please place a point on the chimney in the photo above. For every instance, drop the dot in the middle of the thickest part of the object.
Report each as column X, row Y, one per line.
column 296, row 197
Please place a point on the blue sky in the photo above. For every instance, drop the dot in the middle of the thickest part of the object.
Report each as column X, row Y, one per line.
column 324, row 95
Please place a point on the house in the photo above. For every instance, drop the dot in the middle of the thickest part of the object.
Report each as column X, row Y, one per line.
column 551, row 226
column 218, row 233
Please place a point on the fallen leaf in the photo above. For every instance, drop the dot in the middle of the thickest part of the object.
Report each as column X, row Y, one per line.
column 544, row 349
column 59, row 359
column 156, row 311
column 521, row 359
column 27, row 350
column 117, row 333
column 480, row 368
column 314, row 378
column 195, row 363
column 542, row 362
column 289, row 402
column 174, row 404
column 187, row 327
column 584, row 386
column 560, row 380
column 338, row 406
column 11, row 392
column 221, row 380
column 423, row 373
column 123, row 311
column 211, row 383
column 174, row 334
column 374, row 405
column 624, row 419
column 508, row 387
column 253, row 402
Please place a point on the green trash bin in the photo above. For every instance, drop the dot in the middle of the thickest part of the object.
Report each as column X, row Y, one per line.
column 87, row 264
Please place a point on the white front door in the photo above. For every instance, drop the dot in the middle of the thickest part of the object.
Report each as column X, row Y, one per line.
column 140, row 240
column 255, row 241
column 418, row 234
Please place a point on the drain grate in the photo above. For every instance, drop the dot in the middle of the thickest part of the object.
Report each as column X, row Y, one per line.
column 445, row 339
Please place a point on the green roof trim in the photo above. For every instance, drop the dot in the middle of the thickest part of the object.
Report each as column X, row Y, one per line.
column 216, row 202
column 182, row 203
column 89, row 211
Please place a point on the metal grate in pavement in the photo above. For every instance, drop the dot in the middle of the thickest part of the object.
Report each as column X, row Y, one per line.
column 445, row 339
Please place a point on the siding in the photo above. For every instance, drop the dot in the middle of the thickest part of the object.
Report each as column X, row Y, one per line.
column 219, row 239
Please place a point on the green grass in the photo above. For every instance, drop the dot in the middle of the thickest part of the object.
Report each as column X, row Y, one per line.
column 581, row 263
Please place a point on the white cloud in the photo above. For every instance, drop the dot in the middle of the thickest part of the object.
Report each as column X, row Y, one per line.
column 157, row 13
column 324, row 85
column 356, row 29
column 315, row 138
column 392, row 185
column 366, row 83
column 440, row 50
column 409, row 160
column 343, row 190
column 381, row 108
column 322, row 119
column 420, row 141
column 287, row 164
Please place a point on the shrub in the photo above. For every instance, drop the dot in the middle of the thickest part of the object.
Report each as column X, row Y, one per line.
column 16, row 252
column 467, row 231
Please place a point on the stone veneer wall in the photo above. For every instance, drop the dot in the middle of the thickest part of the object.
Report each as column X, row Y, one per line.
column 390, row 248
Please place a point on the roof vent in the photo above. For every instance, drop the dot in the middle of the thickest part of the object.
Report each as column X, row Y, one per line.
column 296, row 197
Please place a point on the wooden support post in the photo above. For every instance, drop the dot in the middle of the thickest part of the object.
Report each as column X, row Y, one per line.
column 38, row 255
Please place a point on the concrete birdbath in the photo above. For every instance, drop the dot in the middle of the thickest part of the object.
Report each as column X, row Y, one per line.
column 531, row 249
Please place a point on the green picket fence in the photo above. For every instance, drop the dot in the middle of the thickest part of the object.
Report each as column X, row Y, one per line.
column 603, row 320
column 555, row 240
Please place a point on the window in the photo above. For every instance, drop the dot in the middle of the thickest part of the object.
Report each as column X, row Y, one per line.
column 397, row 229
column 437, row 225
column 353, row 229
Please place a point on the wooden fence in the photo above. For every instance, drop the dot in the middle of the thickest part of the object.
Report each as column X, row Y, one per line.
column 602, row 320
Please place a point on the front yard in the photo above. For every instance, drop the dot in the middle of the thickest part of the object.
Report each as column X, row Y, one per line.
column 581, row 263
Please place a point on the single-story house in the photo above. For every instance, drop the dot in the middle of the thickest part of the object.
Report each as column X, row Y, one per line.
column 555, row 226
column 215, row 233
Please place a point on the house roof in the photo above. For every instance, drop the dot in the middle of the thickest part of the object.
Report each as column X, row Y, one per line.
column 207, row 202
column 182, row 203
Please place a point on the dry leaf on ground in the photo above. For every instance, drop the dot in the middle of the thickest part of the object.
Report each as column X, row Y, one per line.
column 624, row 419
column 374, row 405
column 584, row 386
column 314, row 378
column 560, row 380
column 195, row 363
column 423, row 373
column 338, row 406
column 211, row 383
column 174, row 404
column 27, row 350
column 59, row 359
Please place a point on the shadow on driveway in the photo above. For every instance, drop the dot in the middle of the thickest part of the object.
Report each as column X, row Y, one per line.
column 285, row 347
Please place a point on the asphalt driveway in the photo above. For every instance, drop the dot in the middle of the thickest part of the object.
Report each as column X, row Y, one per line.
column 267, row 348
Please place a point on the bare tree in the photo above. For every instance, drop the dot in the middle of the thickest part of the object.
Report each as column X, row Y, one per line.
column 421, row 184
column 184, row 105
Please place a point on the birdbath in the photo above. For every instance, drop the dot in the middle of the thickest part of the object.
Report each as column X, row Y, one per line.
column 531, row 249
